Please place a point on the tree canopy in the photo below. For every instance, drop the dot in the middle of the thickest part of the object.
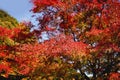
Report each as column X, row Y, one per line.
column 6, row 20
column 83, row 42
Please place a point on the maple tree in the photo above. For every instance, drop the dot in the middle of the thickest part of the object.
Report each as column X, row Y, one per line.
column 83, row 42
column 9, row 40
column 28, row 58
column 92, row 22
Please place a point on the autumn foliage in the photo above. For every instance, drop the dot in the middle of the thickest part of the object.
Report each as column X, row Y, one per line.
column 83, row 42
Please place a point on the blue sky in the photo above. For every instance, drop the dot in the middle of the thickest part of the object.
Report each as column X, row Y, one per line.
column 19, row 9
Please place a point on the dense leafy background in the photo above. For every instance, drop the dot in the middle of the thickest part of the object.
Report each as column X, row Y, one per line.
column 83, row 42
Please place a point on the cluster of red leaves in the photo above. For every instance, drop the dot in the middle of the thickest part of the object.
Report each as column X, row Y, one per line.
column 5, row 65
column 65, row 4
column 41, row 3
column 94, row 32
column 55, row 47
column 105, row 39
column 5, row 32
column 8, row 56
column 25, row 63
column 5, row 69
column 114, row 76
column 28, row 57
column 68, row 20
column 68, row 10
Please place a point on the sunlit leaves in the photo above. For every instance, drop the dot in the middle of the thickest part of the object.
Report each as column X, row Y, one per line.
column 94, row 27
column 83, row 38
column 61, row 46
column 9, row 39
